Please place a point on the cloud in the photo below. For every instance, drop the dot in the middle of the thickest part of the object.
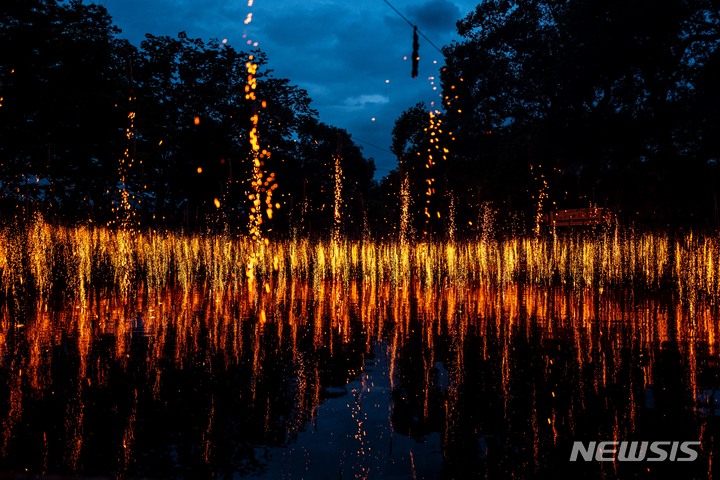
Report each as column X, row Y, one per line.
column 306, row 27
column 438, row 16
column 337, row 50
column 362, row 101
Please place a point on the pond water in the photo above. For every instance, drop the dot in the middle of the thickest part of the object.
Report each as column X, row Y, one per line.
column 345, row 380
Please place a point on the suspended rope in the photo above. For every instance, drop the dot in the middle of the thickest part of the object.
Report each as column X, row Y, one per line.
column 372, row 145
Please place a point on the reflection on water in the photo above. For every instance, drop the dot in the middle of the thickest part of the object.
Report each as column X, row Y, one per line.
column 319, row 379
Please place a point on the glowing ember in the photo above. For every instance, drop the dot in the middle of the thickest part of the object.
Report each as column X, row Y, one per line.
column 337, row 210
column 405, row 233
column 29, row 260
column 125, row 215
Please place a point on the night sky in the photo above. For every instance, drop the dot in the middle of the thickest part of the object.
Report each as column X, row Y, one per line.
column 343, row 53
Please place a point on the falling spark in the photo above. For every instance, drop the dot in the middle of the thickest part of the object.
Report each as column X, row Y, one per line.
column 434, row 130
column 31, row 258
column 542, row 196
column 405, row 210
column 337, row 210
column 262, row 186
column 125, row 215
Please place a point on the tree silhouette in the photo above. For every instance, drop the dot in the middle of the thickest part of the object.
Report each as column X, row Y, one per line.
column 86, row 116
column 603, row 97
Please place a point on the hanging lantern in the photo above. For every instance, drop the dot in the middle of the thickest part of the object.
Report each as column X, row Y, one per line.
column 415, row 55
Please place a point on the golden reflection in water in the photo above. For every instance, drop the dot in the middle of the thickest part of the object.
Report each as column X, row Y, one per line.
column 222, row 325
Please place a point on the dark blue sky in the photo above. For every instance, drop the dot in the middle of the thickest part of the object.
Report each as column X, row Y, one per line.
column 342, row 52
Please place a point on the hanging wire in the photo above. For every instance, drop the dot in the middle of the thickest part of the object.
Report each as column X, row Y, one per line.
column 414, row 26
column 372, row 145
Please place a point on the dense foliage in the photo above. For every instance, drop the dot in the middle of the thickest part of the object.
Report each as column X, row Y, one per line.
column 611, row 103
column 572, row 104
column 547, row 105
column 78, row 102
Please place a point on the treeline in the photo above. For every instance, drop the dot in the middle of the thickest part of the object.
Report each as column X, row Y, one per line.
column 578, row 102
column 87, row 116
column 546, row 105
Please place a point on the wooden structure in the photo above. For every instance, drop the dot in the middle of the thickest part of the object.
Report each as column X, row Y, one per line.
column 579, row 217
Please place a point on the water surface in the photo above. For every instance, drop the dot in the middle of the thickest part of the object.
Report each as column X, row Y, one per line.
column 313, row 379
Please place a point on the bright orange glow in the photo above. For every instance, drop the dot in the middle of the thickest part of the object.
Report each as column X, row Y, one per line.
column 688, row 265
column 338, row 204
column 262, row 184
column 125, row 208
column 247, row 321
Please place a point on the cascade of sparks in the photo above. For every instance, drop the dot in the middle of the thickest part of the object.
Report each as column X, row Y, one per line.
column 258, row 155
column 337, row 211
column 31, row 259
column 451, row 222
column 430, row 163
column 434, row 152
column 262, row 184
column 124, row 212
column 405, row 210
column 541, row 197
